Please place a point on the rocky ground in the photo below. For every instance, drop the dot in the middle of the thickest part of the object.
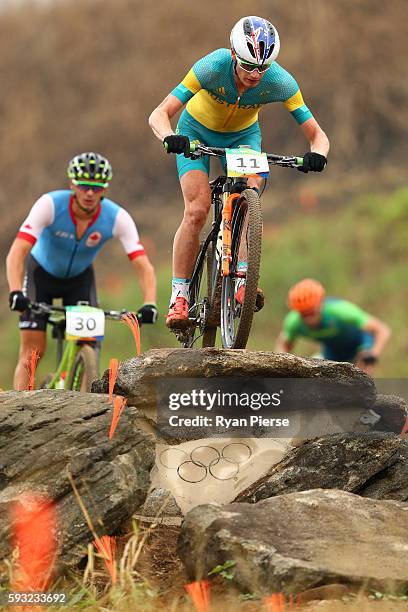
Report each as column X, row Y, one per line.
column 320, row 515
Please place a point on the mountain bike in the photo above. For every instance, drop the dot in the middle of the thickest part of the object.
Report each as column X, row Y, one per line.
column 224, row 283
column 78, row 331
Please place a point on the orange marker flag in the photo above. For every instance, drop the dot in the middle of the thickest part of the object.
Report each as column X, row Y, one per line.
column 118, row 407
column 35, row 524
column 35, row 356
column 131, row 321
column 404, row 429
column 199, row 594
column 113, row 374
column 106, row 546
column 275, row 603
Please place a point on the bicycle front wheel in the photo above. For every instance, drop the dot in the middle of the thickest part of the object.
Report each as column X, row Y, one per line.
column 85, row 370
column 237, row 307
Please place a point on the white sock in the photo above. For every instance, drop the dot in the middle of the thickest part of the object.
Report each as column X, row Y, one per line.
column 179, row 288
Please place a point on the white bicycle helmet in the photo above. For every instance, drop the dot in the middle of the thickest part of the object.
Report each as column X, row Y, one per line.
column 255, row 40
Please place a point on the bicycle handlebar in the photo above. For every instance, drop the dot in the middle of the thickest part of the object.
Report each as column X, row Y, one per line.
column 43, row 308
column 198, row 150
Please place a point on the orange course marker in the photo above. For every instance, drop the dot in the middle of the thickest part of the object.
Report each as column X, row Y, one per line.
column 34, row 526
column 276, row 602
column 35, row 356
column 132, row 322
column 106, row 546
column 199, row 593
column 113, row 374
column 118, row 407
column 404, row 429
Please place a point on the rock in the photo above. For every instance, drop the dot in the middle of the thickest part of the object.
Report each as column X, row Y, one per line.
column 393, row 411
column 351, row 462
column 140, row 379
column 45, row 436
column 160, row 507
column 329, row 591
column 392, row 481
column 137, row 377
column 298, row 541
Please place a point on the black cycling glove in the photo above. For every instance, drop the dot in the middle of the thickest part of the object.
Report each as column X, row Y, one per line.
column 313, row 162
column 177, row 144
column 368, row 358
column 18, row 301
column 147, row 313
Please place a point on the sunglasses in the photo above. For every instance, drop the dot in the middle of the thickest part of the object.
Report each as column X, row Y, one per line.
column 247, row 67
column 87, row 186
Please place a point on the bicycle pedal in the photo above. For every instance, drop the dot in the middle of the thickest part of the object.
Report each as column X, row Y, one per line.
column 182, row 335
column 260, row 300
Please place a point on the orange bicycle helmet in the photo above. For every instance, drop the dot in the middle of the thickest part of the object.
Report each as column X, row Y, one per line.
column 306, row 296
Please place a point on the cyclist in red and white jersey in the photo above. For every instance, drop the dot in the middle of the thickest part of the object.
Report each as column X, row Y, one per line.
column 53, row 252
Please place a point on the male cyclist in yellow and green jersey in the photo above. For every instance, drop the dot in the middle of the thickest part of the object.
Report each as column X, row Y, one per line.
column 224, row 92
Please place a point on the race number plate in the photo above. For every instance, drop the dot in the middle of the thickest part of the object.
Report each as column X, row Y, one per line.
column 246, row 162
column 85, row 322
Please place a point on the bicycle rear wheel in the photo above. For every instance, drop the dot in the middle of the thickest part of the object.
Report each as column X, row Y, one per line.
column 85, row 370
column 213, row 293
column 246, row 244
column 200, row 301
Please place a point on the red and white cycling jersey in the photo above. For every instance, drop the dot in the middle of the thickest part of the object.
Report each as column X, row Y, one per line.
column 51, row 228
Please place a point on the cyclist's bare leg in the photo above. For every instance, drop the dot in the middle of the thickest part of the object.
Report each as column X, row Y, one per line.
column 368, row 368
column 255, row 181
column 29, row 341
column 197, row 201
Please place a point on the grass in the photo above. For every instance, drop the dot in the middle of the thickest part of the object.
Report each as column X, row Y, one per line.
column 150, row 577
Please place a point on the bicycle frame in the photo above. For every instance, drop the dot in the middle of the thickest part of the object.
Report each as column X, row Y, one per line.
column 225, row 196
column 67, row 348
column 71, row 350
column 230, row 195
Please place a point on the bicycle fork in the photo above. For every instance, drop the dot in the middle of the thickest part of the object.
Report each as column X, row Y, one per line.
column 228, row 201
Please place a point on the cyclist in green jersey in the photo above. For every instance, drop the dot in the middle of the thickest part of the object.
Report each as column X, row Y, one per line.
column 345, row 331
column 223, row 93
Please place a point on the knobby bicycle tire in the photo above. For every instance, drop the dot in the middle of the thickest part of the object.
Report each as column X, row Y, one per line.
column 210, row 330
column 85, row 370
column 214, row 284
column 247, row 213
column 198, row 297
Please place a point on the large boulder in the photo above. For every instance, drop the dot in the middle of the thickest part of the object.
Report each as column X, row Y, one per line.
column 138, row 377
column 47, row 439
column 297, row 541
column 196, row 467
column 372, row 464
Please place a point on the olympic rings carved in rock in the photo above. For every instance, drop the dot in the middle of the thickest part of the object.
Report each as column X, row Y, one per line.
column 204, row 460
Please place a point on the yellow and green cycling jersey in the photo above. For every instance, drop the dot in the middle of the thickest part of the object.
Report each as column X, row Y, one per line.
column 212, row 97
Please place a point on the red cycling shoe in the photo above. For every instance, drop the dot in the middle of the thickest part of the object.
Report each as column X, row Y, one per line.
column 178, row 314
column 260, row 297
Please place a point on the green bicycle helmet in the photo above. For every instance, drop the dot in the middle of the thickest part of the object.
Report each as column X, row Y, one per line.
column 90, row 166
